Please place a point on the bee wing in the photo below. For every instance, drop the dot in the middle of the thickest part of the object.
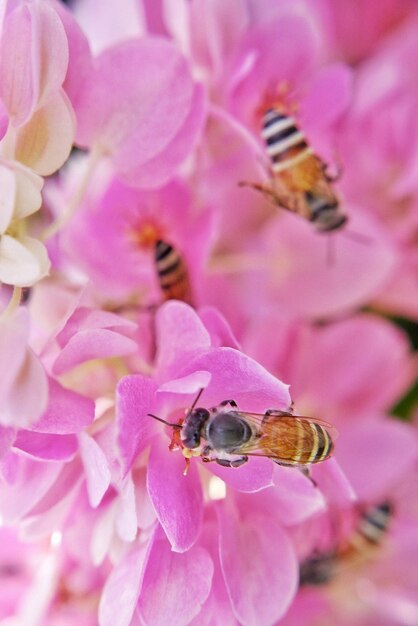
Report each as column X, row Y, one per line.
column 261, row 419
column 288, row 439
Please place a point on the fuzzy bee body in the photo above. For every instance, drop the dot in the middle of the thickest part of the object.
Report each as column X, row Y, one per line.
column 299, row 180
column 228, row 436
column 172, row 272
column 371, row 529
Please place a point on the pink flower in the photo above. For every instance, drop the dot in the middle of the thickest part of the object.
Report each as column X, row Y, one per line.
column 162, row 112
column 124, row 223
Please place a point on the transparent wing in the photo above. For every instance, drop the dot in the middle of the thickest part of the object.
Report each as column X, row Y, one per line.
column 288, row 439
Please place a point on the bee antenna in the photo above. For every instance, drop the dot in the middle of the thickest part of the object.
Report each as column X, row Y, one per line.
column 196, row 400
column 160, row 419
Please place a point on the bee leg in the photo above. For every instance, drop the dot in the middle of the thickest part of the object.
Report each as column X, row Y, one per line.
column 276, row 413
column 230, row 402
column 264, row 189
column 228, row 463
column 305, row 471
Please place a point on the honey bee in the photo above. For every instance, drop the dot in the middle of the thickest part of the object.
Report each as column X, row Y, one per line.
column 172, row 272
column 228, row 436
column 372, row 527
column 299, row 181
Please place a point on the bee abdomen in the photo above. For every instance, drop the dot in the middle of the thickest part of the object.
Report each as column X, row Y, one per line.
column 374, row 523
column 286, row 144
column 322, row 444
column 172, row 272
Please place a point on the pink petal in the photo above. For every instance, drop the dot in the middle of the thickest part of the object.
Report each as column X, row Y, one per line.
column 385, row 452
column 339, row 286
column 328, row 98
column 67, row 480
column 144, row 510
column 93, row 344
column 333, row 483
column 28, row 398
column 259, row 566
column 218, row 602
column 122, row 588
column 177, row 499
column 180, row 336
column 45, row 446
column 135, row 397
column 153, row 103
column 67, row 412
column 295, row 497
column 192, row 383
column 174, row 585
column 95, row 467
column 126, row 519
column 14, row 335
column 85, row 318
column 7, row 437
column 236, row 376
column 292, row 40
column 31, row 481
column 160, row 168
column 29, row 73
column 352, row 381
column 79, row 52
column 220, row 331
column 255, row 475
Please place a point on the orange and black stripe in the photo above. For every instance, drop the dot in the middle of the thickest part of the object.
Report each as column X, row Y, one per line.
column 172, row 272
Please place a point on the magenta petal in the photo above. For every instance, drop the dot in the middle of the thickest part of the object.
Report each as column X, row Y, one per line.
column 255, row 475
column 220, row 331
column 177, row 499
column 95, row 467
column 187, row 384
column 295, row 497
column 68, row 412
column 31, row 481
column 7, row 436
column 45, row 446
column 126, row 519
column 160, row 169
column 238, row 377
column 134, row 399
column 175, row 585
column 328, row 97
column 93, row 344
column 154, row 102
column 333, row 483
column 385, row 451
column 122, row 588
column 259, row 566
column 180, row 336
column 85, row 318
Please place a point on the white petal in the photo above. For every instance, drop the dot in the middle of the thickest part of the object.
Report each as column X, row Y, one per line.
column 22, row 262
column 45, row 142
column 7, row 197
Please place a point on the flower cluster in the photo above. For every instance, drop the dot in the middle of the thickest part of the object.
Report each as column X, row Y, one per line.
column 166, row 290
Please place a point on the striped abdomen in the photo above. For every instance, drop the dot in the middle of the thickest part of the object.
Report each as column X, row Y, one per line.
column 172, row 272
column 286, row 144
column 296, row 440
column 374, row 522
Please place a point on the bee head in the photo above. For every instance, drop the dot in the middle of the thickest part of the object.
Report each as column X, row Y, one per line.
column 192, row 428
